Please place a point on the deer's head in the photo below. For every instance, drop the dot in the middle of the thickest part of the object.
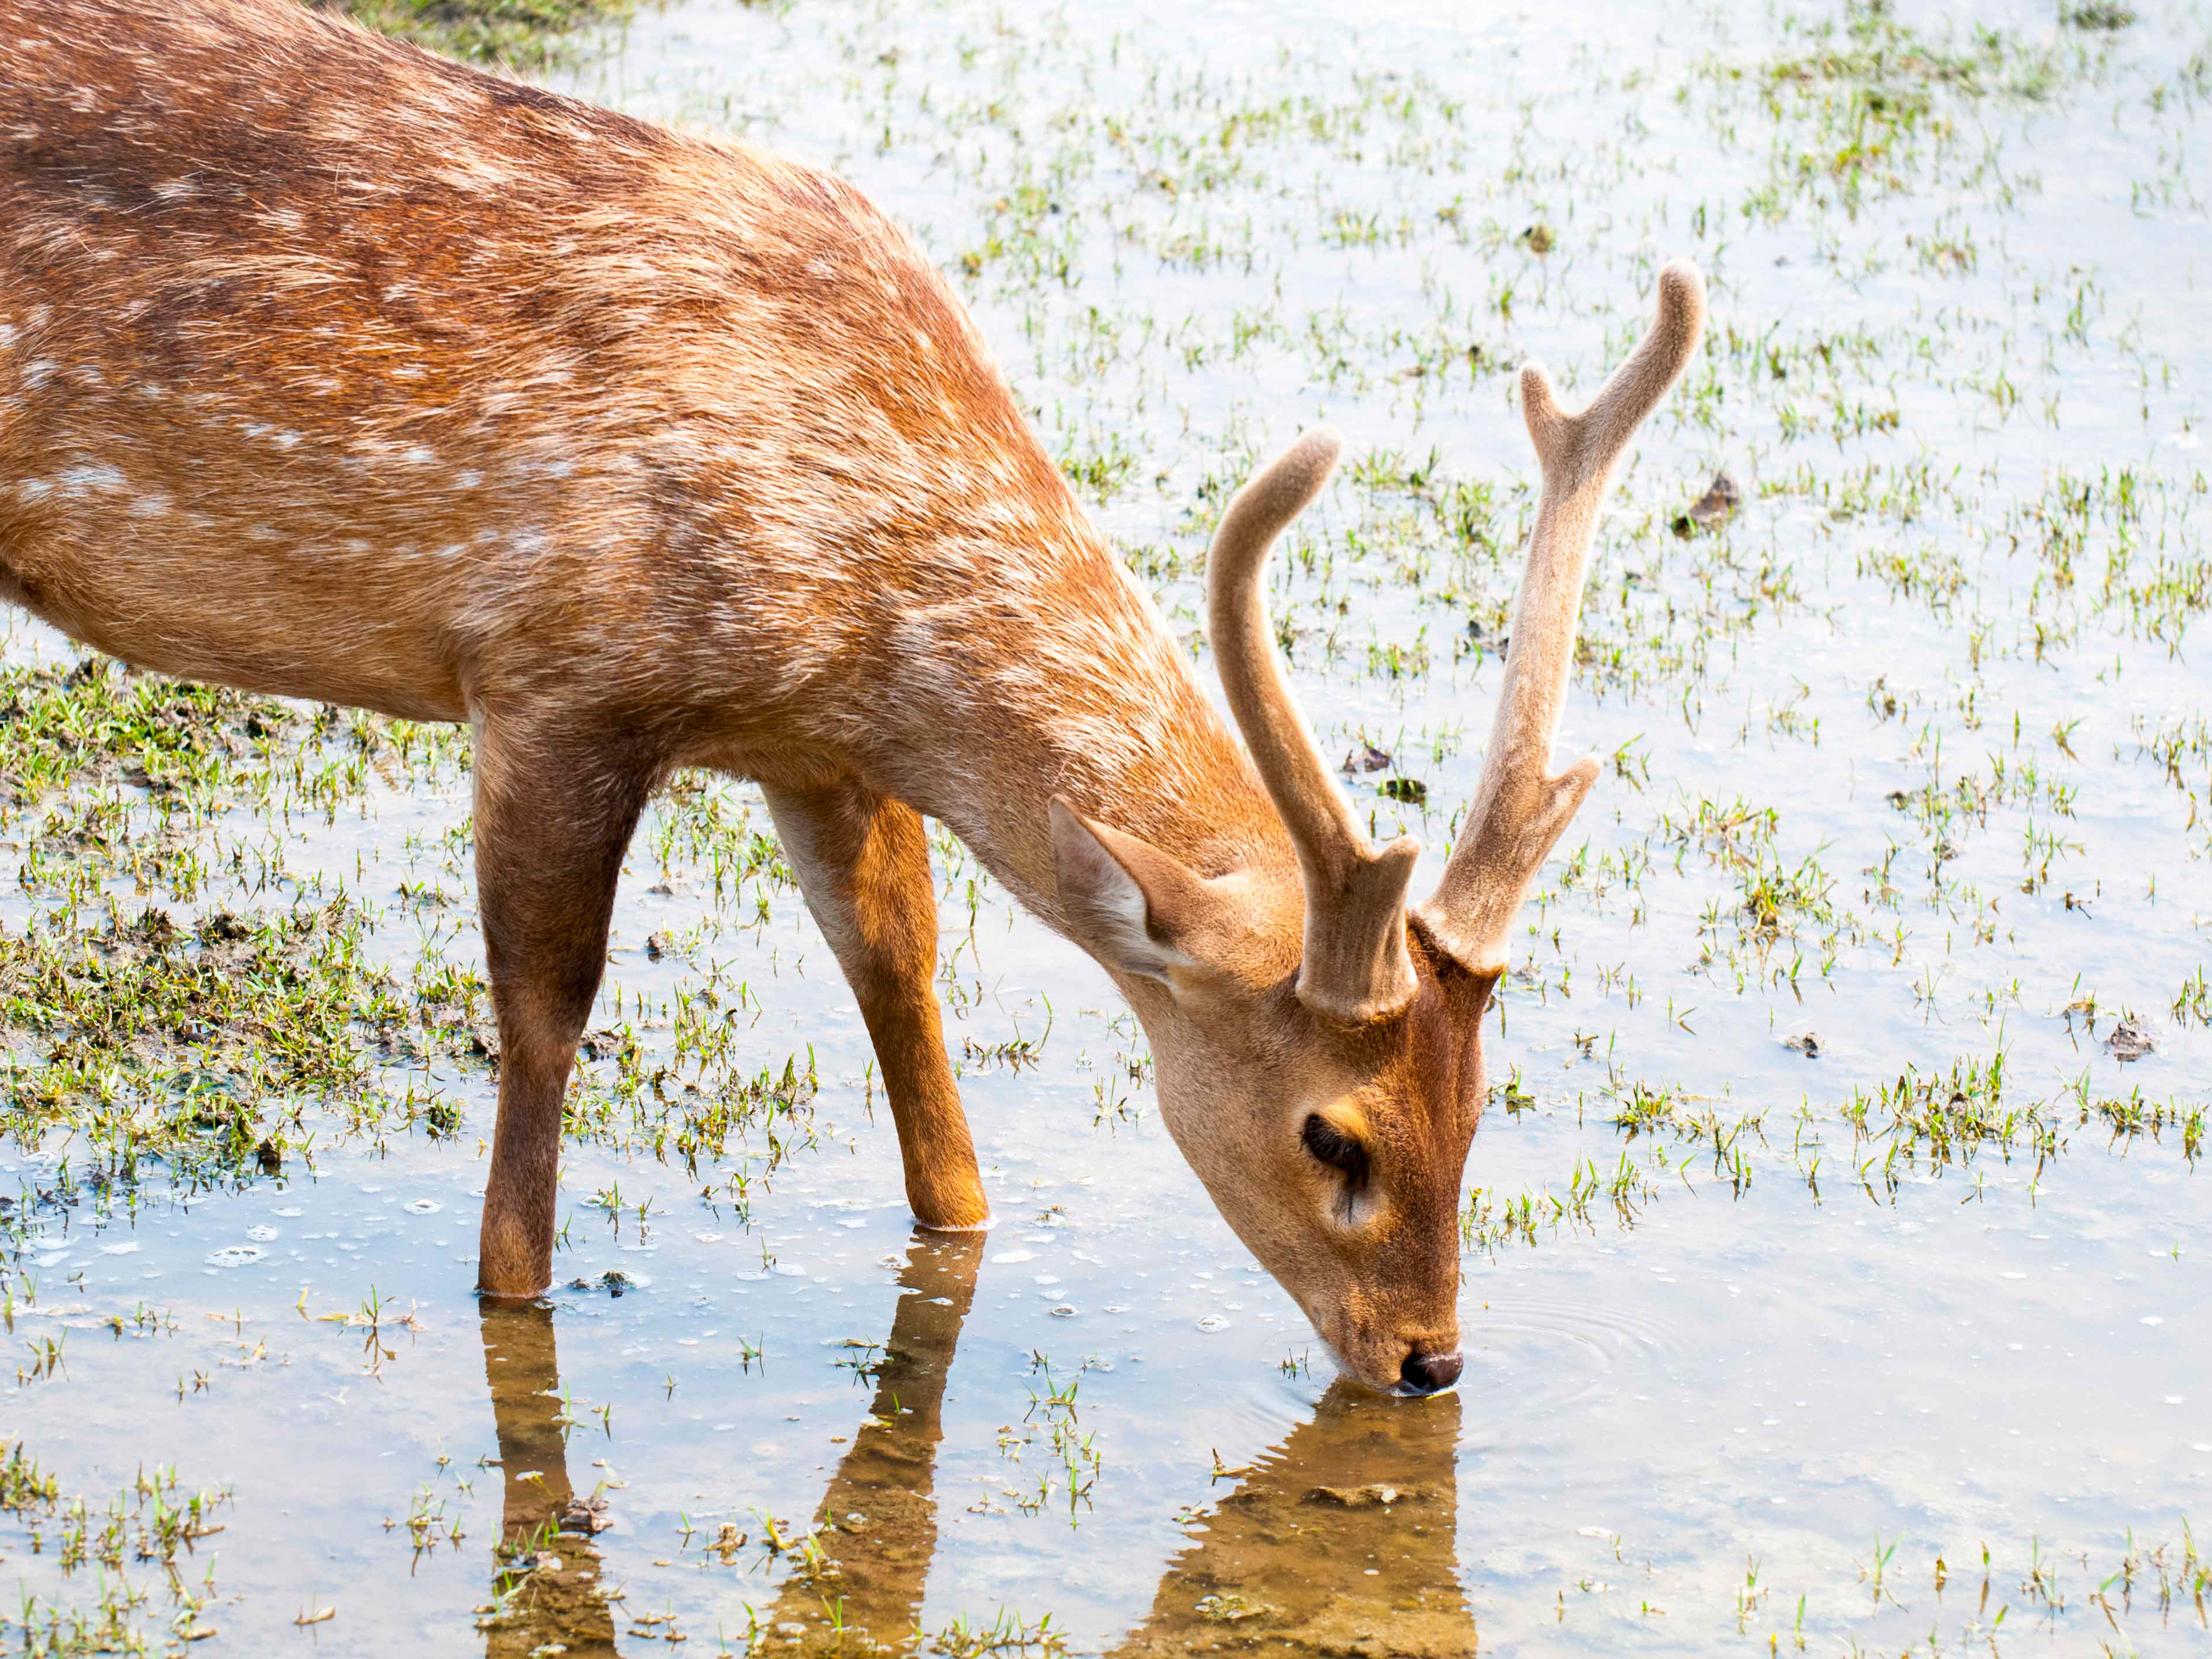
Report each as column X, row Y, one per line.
column 1315, row 1036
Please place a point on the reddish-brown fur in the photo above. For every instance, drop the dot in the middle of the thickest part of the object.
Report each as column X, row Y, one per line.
column 332, row 369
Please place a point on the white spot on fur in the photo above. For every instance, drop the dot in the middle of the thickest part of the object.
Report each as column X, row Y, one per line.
column 77, row 483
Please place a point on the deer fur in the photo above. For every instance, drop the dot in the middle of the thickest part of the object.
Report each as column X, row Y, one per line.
column 332, row 370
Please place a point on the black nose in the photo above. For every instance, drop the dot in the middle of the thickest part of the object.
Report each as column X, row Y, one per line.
column 1427, row 1373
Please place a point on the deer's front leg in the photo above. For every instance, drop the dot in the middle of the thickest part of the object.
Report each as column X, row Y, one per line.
column 554, row 814
column 863, row 864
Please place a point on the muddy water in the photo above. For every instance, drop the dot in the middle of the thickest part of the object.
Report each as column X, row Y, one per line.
column 1907, row 756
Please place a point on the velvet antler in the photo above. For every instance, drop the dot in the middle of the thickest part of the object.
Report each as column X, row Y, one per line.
column 1520, row 809
column 1356, row 965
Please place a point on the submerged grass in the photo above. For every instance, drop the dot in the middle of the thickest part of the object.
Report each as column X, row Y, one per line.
column 139, row 1546
column 1919, row 1126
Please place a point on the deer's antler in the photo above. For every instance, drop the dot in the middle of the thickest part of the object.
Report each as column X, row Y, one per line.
column 1356, row 965
column 1520, row 810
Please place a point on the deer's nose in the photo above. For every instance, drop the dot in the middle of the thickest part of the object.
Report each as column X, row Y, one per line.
column 1429, row 1373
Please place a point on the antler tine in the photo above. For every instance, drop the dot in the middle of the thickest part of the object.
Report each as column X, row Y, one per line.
column 1520, row 811
column 1356, row 966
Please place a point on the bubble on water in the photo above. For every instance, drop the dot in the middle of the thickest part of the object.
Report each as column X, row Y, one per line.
column 422, row 1207
column 1213, row 1323
column 1115, row 1308
column 371, row 1186
column 1011, row 1257
column 790, row 1270
column 1045, row 1278
column 855, row 1221
column 235, row 1256
column 131, row 1249
column 708, row 1238
column 261, row 1235
column 288, row 1210
column 2013, row 1274
column 1063, row 1311
column 1594, row 1532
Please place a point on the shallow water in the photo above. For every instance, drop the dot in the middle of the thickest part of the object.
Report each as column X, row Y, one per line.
column 1866, row 1348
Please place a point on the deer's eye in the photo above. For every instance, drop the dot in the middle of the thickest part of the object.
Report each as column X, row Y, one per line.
column 1335, row 1148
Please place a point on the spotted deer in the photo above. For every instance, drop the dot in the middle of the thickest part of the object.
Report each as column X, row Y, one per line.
column 334, row 370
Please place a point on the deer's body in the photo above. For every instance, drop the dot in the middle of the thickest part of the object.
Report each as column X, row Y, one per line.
column 335, row 370
column 331, row 369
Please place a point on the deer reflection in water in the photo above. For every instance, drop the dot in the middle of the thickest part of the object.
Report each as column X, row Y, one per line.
column 876, row 1526
column 1342, row 1541
column 545, row 1585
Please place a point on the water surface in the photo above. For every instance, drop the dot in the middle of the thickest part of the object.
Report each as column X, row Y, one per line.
column 1892, row 1342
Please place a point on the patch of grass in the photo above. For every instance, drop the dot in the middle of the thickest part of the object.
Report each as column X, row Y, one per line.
column 527, row 33
column 153, row 1520
column 2099, row 14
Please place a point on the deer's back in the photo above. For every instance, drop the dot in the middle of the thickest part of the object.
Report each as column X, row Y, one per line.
column 330, row 368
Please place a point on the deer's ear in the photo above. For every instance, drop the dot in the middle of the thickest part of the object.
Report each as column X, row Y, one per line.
column 1129, row 904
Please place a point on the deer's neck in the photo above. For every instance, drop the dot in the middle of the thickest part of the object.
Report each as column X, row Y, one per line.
column 1054, row 674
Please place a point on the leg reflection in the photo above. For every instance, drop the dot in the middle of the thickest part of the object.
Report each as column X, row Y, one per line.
column 545, row 1588
column 1344, row 1541
column 877, row 1523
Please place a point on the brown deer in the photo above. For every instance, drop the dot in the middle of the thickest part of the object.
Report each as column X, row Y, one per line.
column 332, row 370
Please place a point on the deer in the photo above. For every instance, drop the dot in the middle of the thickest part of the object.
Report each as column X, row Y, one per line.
column 333, row 370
